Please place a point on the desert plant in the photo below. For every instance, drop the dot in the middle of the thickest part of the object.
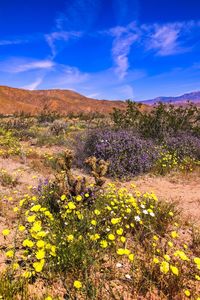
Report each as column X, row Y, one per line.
column 7, row 179
column 129, row 155
column 184, row 145
column 58, row 127
column 159, row 121
column 47, row 116
column 85, row 245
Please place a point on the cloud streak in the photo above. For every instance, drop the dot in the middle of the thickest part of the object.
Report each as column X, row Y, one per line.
column 13, row 42
column 169, row 39
column 20, row 65
column 63, row 36
column 124, row 37
column 34, row 85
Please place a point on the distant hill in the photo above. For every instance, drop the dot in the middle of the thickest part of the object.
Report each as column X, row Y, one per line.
column 193, row 97
column 14, row 100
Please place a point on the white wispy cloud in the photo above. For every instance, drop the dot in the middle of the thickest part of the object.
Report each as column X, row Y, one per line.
column 13, row 42
column 53, row 37
column 64, row 75
column 164, row 39
column 34, row 85
column 170, row 38
column 19, row 65
column 72, row 22
column 124, row 37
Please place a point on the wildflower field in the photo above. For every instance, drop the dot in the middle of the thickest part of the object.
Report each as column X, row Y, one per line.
column 77, row 219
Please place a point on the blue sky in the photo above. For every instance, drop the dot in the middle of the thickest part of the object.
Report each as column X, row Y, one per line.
column 106, row 49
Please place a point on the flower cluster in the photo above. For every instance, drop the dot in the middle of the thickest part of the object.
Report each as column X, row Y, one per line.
column 128, row 154
column 131, row 228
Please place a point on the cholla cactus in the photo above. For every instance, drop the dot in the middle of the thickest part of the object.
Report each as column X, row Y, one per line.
column 68, row 184
column 58, row 127
column 71, row 185
column 99, row 169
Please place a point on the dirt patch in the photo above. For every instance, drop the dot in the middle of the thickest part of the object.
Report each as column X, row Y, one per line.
column 184, row 189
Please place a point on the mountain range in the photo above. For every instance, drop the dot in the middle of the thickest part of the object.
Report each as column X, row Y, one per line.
column 193, row 97
column 14, row 100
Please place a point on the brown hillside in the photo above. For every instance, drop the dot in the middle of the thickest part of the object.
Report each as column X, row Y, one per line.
column 64, row 101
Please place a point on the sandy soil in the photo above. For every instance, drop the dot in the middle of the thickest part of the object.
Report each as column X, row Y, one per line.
column 184, row 189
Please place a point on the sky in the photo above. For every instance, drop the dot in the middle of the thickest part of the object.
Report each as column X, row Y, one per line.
column 104, row 49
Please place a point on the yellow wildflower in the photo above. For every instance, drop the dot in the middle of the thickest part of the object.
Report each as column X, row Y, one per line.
column 131, row 257
column 167, row 257
column 10, row 253
column 28, row 243
column 71, row 205
column 123, row 239
column 40, row 244
column 27, row 274
column 94, row 222
column 31, row 219
column 164, row 267
column 70, row 238
column 77, row 284
column 174, row 234
column 95, row 237
column 21, row 228
column 182, row 255
column 187, row 293
column 6, row 232
column 36, row 226
column 63, row 197
column 156, row 260
column 170, row 244
column 174, row 270
column 120, row 231
column 38, row 266
column 115, row 220
column 35, row 208
column 111, row 237
column 40, row 254
column 103, row 244
column 78, row 198
column 120, row 251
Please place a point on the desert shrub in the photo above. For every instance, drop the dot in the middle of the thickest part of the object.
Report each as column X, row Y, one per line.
column 25, row 134
column 184, row 145
column 86, row 116
column 129, row 118
column 46, row 138
column 128, row 154
column 78, row 145
column 58, row 127
column 159, row 121
column 166, row 162
column 9, row 144
column 7, row 179
column 18, row 124
column 46, row 116
column 22, row 115
column 179, row 153
column 10, row 287
column 165, row 120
